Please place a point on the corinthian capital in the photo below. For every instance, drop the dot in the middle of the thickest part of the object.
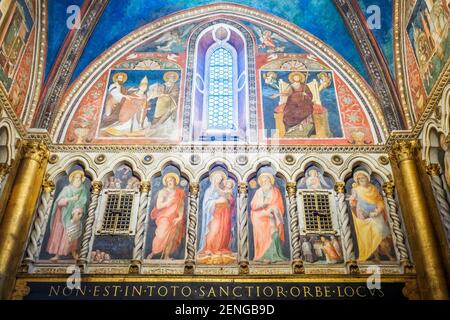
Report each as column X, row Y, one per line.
column 36, row 151
column 403, row 150
column 291, row 188
column 339, row 187
column 97, row 187
column 145, row 187
column 388, row 188
column 194, row 188
column 433, row 169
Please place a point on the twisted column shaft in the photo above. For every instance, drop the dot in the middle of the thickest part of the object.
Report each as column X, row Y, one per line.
column 140, row 228
column 243, row 227
column 192, row 229
column 87, row 235
column 297, row 262
column 45, row 204
column 347, row 241
column 441, row 196
column 388, row 189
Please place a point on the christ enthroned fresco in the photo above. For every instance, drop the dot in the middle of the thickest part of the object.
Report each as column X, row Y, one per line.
column 141, row 104
column 300, row 104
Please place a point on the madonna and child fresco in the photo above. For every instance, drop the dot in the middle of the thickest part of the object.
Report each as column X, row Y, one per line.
column 370, row 219
column 269, row 239
column 167, row 218
column 65, row 226
column 141, row 104
column 217, row 219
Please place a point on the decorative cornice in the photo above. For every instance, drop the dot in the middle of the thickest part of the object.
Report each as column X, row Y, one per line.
column 59, row 81
column 374, row 63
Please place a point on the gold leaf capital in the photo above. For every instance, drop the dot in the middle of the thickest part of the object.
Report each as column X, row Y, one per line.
column 97, row 187
column 339, row 187
column 403, row 150
column 145, row 187
column 388, row 188
column 433, row 169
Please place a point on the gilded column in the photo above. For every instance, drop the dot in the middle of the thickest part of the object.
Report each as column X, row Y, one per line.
column 243, row 228
column 431, row 276
column 43, row 211
column 194, row 189
column 297, row 263
column 347, row 241
column 440, row 194
column 400, row 242
column 18, row 215
column 138, row 250
column 89, row 225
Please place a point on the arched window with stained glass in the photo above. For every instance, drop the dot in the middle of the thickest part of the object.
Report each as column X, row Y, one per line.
column 221, row 99
column 220, row 93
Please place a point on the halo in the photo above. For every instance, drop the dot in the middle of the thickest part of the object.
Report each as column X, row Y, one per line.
column 123, row 74
column 72, row 175
column 169, row 74
column 357, row 173
column 293, row 74
column 173, row 175
column 271, row 177
column 219, row 172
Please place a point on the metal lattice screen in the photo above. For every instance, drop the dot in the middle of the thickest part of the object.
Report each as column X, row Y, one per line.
column 317, row 211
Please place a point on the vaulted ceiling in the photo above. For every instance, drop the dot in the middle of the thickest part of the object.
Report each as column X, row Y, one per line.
column 319, row 17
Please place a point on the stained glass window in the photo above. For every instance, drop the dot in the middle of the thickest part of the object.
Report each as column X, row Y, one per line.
column 220, row 96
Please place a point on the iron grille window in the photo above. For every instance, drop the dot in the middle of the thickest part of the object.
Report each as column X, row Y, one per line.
column 118, row 213
column 316, row 205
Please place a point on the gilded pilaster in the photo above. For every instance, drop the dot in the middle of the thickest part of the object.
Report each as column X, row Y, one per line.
column 431, row 276
column 18, row 216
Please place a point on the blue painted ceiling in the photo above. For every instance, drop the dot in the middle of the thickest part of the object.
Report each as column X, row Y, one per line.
column 319, row 17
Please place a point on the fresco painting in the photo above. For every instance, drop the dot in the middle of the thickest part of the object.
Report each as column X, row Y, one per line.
column 321, row 249
column 141, row 104
column 17, row 29
column 269, row 235
column 301, row 104
column 217, row 228
column 428, row 31
column 69, row 211
column 167, row 221
column 301, row 101
column 370, row 219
